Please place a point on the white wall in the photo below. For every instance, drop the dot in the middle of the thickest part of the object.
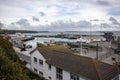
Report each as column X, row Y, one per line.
column 44, row 68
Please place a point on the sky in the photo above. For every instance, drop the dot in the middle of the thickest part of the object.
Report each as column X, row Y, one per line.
column 60, row 15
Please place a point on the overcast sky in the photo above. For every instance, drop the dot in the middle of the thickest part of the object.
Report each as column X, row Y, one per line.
column 60, row 15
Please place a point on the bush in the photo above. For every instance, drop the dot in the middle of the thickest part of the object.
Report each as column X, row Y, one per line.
column 11, row 68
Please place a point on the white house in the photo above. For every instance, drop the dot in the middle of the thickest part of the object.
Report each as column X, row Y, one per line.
column 55, row 62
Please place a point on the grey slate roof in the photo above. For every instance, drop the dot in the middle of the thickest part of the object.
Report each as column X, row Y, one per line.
column 89, row 68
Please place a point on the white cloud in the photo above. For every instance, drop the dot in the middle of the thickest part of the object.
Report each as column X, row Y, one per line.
column 23, row 22
column 1, row 25
column 114, row 21
column 49, row 13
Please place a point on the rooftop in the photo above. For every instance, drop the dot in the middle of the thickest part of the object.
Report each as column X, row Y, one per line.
column 59, row 56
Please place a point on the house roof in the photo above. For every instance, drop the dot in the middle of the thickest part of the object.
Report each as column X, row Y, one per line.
column 89, row 68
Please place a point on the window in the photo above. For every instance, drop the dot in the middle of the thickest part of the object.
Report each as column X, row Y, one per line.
column 50, row 78
column 40, row 61
column 41, row 73
column 49, row 66
column 74, row 77
column 59, row 74
column 35, row 59
column 35, row 69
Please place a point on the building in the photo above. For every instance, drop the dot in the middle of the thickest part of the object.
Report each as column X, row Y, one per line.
column 109, row 36
column 89, row 39
column 56, row 62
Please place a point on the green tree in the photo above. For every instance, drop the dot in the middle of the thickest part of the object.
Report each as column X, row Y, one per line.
column 11, row 68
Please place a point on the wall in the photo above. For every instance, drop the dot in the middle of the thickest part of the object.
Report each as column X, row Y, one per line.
column 24, row 57
column 43, row 68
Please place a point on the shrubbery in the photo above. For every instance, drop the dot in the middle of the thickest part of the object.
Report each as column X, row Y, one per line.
column 11, row 68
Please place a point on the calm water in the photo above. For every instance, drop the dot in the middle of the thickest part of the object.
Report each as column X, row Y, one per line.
column 68, row 32
column 42, row 40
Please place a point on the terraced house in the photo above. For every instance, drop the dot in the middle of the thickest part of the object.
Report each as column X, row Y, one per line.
column 56, row 62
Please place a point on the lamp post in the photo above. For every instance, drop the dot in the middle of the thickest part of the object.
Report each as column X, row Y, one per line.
column 81, row 46
column 80, row 40
column 97, row 51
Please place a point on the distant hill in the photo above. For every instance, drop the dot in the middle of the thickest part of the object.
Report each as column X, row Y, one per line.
column 16, row 31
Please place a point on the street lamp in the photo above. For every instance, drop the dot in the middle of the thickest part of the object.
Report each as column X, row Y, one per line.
column 97, row 51
column 81, row 46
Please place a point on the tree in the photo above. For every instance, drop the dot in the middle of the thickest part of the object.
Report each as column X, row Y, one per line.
column 11, row 68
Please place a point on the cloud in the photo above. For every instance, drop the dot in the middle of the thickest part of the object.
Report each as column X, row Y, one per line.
column 60, row 25
column 1, row 25
column 105, row 25
column 63, row 25
column 55, row 14
column 109, row 27
column 83, row 24
column 95, row 20
column 103, row 2
column 42, row 13
column 114, row 21
column 69, row 25
column 35, row 19
column 23, row 22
